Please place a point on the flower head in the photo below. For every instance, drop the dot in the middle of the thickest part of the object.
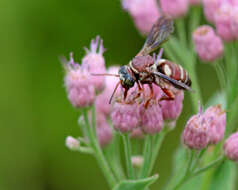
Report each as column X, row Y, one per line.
column 137, row 133
column 172, row 109
column 102, row 100
column 174, row 8
column 144, row 12
column 208, row 45
column 226, row 20
column 195, row 2
column 95, row 63
column 216, row 118
column 210, row 9
column 72, row 143
column 125, row 117
column 104, row 131
column 231, row 147
column 78, row 84
column 151, row 118
column 196, row 132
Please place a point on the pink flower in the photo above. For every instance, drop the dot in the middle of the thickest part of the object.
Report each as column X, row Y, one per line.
column 223, row 20
column 102, row 100
column 216, row 118
column 151, row 118
column 174, row 8
column 208, row 45
column 144, row 12
column 72, row 143
column 196, row 133
column 137, row 133
column 78, row 85
column 227, row 20
column 195, row 2
column 210, row 8
column 172, row 109
column 104, row 134
column 125, row 117
column 234, row 25
column 231, row 147
column 94, row 62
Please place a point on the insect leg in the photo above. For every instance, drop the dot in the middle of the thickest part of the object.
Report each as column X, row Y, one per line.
column 140, row 90
column 150, row 97
column 169, row 94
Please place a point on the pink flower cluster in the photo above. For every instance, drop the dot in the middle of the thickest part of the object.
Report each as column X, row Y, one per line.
column 144, row 13
column 205, row 128
column 224, row 14
column 208, row 45
column 81, row 87
column 139, row 120
column 231, row 147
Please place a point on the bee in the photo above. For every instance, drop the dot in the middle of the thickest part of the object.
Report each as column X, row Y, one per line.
column 145, row 69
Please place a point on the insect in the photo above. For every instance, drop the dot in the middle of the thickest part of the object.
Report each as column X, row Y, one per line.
column 143, row 69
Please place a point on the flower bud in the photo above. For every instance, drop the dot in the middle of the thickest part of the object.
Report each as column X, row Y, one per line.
column 174, row 8
column 137, row 161
column 102, row 100
column 231, row 147
column 125, row 117
column 94, row 62
column 137, row 133
column 196, row 132
column 151, row 118
column 223, row 21
column 72, row 143
column 144, row 12
column 78, row 85
column 208, row 45
column 173, row 108
column 234, row 20
column 210, row 9
column 216, row 118
column 104, row 133
column 195, row 2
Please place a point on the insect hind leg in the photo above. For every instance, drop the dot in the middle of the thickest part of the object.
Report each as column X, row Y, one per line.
column 169, row 95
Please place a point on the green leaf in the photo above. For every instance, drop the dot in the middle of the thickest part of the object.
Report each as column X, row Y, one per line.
column 140, row 184
column 193, row 183
column 224, row 177
column 180, row 158
column 217, row 98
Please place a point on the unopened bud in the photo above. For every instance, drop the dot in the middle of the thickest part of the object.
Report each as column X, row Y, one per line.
column 72, row 143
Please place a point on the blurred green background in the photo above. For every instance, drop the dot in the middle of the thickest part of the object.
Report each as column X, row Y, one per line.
column 35, row 113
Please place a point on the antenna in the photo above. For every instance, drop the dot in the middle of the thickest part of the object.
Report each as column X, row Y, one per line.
column 105, row 74
column 114, row 92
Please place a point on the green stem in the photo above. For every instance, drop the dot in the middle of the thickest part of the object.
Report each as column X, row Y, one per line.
column 98, row 152
column 220, row 75
column 147, row 157
column 196, row 96
column 181, row 31
column 127, row 147
column 194, row 20
column 188, row 176
column 187, row 172
column 94, row 121
column 209, row 166
column 158, row 140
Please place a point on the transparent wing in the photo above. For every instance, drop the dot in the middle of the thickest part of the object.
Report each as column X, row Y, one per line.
column 159, row 34
column 174, row 82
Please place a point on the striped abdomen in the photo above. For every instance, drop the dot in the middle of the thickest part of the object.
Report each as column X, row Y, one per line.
column 174, row 71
